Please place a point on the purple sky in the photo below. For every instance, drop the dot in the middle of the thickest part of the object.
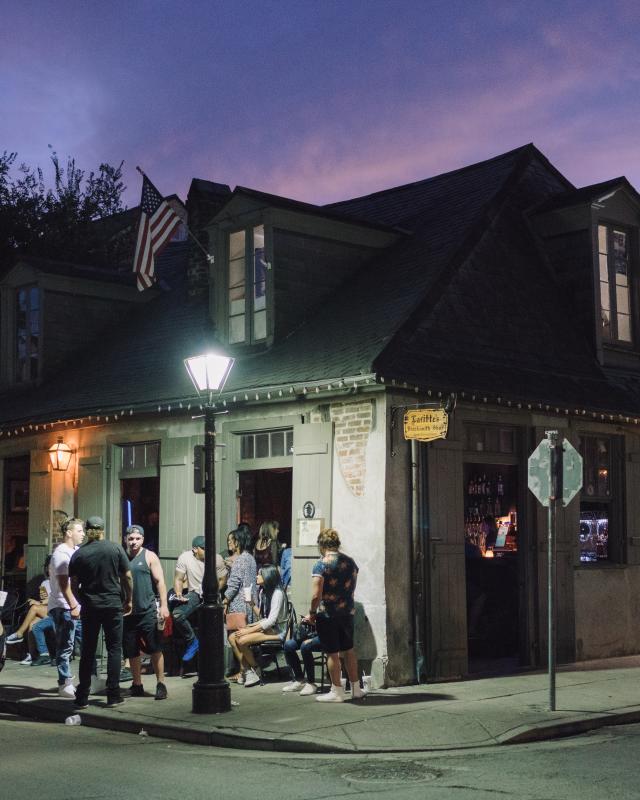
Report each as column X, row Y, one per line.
column 320, row 99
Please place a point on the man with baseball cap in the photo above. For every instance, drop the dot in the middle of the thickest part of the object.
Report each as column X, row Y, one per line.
column 141, row 627
column 190, row 570
column 100, row 570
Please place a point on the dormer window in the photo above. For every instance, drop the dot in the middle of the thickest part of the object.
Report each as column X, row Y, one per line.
column 247, row 287
column 27, row 334
column 615, row 302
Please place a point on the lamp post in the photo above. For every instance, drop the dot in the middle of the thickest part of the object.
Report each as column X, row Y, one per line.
column 211, row 692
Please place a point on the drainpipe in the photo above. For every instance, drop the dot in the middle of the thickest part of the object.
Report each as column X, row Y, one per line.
column 417, row 552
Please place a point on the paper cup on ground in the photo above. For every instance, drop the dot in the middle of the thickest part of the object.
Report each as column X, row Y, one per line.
column 366, row 683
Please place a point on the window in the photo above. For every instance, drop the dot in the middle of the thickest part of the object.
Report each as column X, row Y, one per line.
column 247, row 292
column 266, row 444
column 599, row 502
column 140, row 456
column 27, row 334
column 614, row 268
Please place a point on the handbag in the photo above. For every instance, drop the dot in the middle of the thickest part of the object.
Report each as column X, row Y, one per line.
column 304, row 631
column 236, row 620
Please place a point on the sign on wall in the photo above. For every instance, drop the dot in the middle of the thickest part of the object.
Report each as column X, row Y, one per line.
column 426, row 424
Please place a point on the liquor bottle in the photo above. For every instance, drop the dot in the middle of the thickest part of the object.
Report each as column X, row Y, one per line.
column 500, row 487
column 485, row 485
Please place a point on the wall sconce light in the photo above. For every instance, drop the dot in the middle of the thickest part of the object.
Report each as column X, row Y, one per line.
column 60, row 455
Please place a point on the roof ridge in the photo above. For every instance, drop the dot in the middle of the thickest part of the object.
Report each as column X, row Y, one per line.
column 450, row 173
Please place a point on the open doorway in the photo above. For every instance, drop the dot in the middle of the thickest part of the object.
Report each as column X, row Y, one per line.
column 15, row 523
column 492, row 567
column 140, row 502
column 263, row 495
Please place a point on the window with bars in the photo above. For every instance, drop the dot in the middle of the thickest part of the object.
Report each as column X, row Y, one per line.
column 139, row 456
column 266, row 444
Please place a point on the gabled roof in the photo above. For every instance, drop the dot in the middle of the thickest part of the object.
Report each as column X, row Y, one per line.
column 594, row 193
column 464, row 303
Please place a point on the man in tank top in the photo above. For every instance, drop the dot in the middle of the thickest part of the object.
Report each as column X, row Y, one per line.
column 141, row 627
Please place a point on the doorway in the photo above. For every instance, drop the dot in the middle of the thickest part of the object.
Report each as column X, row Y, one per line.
column 263, row 495
column 15, row 492
column 140, row 503
column 492, row 567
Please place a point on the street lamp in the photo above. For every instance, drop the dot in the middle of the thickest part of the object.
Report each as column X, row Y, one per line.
column 211, row 692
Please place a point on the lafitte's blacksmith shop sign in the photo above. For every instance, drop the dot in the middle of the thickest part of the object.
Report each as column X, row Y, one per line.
column 426, row 424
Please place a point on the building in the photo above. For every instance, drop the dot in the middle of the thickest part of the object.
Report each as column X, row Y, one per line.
column 500, row 284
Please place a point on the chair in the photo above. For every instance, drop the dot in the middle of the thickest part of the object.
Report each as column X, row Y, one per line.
column 267, row 652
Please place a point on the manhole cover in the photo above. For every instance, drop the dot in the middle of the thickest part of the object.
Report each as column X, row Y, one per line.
column 391, row 772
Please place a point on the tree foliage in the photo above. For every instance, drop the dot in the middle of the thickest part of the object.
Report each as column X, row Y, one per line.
column 78, row 219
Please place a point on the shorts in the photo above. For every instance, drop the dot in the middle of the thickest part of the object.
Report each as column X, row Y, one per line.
column 335, row 633
column 141, row 634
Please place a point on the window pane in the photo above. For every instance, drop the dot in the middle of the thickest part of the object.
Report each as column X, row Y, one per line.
column 622, row 300
column 127, row 457
column 262, row 445
column 624, row 328
column 289, row 442
column 246, row 446
column 604, row 268
column 236, row 329
column 236, row 245
column 277, row 443
column 237, row 277
column 259, row 269
column 594, row 532
column 620, row 252
column 604, row 296
column 602, row 238
column 260, row 325
column 151, row 454
column 507, row 441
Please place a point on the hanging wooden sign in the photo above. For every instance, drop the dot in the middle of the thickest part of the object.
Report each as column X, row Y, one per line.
column 426, row 424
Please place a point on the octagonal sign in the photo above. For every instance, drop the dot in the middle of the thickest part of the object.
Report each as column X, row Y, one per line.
column 540, row 472
column 571, row 472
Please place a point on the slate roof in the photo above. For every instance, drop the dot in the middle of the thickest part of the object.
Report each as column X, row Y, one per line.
column 464, row 302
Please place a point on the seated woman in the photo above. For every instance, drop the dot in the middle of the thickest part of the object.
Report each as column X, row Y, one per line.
column 37, row 610
column 273, row 612
column 308, row 642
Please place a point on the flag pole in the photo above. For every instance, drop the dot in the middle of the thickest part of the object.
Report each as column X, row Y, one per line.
column 208, row 255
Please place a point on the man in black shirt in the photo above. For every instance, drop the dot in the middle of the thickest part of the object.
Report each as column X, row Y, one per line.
column 100, row 569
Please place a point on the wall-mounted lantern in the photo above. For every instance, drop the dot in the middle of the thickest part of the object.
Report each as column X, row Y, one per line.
column 60, row 455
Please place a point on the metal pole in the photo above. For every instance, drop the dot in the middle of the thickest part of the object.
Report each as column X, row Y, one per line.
column 211, row 692
column 555, row 454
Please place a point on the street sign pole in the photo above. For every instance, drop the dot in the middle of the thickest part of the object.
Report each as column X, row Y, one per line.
column 555, row 467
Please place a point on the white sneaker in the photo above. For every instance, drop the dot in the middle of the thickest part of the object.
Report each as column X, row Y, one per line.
column 308, row 689
column 293, row 686
column 68, row 690
column 27, row 660
column 13, row 638
column 357, row 692
column 335, row 695
column 97, row 684
column 251, row 678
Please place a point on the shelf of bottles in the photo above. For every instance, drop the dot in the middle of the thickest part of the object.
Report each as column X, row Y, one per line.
column 594, row 532
column 491, row 516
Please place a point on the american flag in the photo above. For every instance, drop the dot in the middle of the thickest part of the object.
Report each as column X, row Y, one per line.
column 158, row 223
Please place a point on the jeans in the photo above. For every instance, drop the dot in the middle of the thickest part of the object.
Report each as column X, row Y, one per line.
column 307, row 649
column 181, row 613
column 110, row 620
column 38, row 631
column 67, row 629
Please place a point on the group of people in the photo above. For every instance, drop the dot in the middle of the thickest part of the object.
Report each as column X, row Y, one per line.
column 98, row 586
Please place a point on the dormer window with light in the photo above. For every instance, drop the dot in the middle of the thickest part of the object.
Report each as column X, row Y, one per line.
column 247, row 286
column 615, row 284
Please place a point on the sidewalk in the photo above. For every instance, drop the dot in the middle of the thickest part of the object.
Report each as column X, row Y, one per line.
column 440, row 716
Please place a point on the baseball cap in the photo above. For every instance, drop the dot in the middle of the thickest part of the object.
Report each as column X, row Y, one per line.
column 134, row 528
column 198, row 541
column 95, row 522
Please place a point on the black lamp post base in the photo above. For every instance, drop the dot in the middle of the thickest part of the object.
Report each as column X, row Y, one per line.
column 211, row 698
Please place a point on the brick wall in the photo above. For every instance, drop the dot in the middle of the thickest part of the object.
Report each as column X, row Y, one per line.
column 353, row 423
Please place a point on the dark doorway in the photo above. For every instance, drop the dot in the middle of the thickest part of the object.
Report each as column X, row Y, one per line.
column 16, row 522
column 265, row 494
column 492, row 567
column 141, row 505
